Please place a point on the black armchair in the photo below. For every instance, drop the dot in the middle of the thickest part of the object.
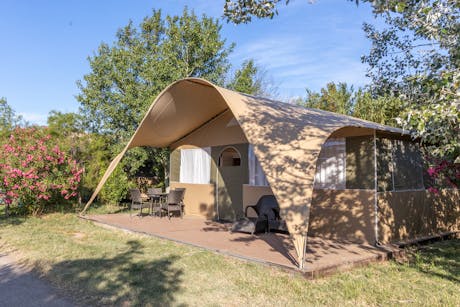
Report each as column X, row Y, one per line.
column 267, row 216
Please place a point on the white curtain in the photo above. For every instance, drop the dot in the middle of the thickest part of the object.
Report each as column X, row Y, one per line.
column 256, row 174
column 195, row 165
column 330, row 168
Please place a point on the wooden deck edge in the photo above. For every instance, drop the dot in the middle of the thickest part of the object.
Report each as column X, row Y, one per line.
column 384, row 254
column 429, row 239
column 285, row 268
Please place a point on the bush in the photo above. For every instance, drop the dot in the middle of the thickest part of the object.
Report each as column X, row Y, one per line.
column 34, row 173
column 116, row 188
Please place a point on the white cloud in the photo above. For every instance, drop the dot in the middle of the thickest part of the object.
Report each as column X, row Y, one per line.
column 35, row 118
column 296, row 63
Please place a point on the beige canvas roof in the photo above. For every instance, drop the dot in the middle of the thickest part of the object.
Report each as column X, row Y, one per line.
column 287, row 139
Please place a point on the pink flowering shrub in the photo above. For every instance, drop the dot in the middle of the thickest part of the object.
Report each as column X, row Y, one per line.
column 443, row 174
column 34, row 172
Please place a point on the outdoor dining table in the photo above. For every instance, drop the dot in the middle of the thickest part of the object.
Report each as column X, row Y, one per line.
column 156, row 198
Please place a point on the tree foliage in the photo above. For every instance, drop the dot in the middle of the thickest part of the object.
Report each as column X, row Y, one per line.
column 383, row 109
column 8, row 118
column 90, row 150
column 125, row 77
column 340, row 98
column 334, row 97
column 417, row 58
column 242, row 11
column 252, row 79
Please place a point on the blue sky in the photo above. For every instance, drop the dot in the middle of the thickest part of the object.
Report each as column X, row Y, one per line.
column 45, row 45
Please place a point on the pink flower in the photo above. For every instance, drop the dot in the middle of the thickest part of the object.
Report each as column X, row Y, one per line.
column 433, row 190
column 431, row 171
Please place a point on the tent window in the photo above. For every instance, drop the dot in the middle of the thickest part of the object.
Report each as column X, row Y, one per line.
column 256, row 174
column 230, row 157
column 330, row 168
column 195, row 165
column 360, row 162
column 408, row 166
column 400, row 165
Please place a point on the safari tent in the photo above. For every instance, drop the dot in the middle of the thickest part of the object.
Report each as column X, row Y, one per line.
column 333, row 176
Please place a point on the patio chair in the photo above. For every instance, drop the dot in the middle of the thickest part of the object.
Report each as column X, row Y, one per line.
column 268, row 217
column 136, row 201
column 156, row 197
column 182, row 190
column 174, row 202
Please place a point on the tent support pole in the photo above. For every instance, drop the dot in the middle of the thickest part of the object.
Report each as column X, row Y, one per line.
column 304, row 251
column 217, row 192
column 376, row 218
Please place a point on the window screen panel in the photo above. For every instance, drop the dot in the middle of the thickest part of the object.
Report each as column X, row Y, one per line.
column 408, row 166
column 360, row 164
column 384, row 164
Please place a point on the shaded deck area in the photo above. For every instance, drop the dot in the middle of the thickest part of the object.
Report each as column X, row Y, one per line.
column 323, row 256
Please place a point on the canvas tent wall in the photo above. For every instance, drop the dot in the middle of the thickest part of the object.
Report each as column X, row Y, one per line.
column 286, row 139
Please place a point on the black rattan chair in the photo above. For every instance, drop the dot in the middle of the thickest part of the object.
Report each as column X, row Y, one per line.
column 267, row 217
column 136, row 201
column 174, row 202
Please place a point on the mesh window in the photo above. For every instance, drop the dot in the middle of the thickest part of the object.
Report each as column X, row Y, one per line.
column 360, row 162
column 384, row 164
column 408, row 167
column 399, row 165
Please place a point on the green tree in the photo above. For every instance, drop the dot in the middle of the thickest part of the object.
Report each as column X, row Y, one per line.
column 246, row 79
column 340, row 98
column 126, row 76
column 416, row 57
column 242, row 11
column 64, row 124
column 8, row 118
column 252, row 79
column 334, row 98
column 381, row 109
column 90, row 150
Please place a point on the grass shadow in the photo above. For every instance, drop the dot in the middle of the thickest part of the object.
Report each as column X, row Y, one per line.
column 441, row 259
column 121, row 280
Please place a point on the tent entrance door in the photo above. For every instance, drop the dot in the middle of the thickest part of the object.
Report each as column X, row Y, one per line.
column 229, row 193
column 231, row 174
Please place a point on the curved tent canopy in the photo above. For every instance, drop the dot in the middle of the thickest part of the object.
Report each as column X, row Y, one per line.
column 287, row 139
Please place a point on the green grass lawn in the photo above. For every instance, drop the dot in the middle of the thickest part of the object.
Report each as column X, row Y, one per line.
column 100, row 266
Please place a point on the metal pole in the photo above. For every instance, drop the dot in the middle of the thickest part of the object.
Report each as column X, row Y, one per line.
column 217, row 191
column 376, row 219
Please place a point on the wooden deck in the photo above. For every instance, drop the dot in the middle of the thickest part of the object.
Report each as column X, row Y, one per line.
column 323, row 256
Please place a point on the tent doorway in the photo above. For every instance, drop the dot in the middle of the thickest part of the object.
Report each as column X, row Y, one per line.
column 231, row 174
